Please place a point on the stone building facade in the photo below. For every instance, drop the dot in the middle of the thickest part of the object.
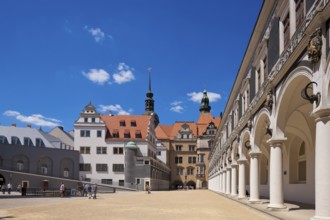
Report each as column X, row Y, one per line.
column 273, row 138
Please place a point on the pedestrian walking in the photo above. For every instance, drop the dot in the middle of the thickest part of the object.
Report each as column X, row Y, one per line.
column 62, row 189
column 3, row 188
column 94, row 188
column 89, row 191
column 9, row 188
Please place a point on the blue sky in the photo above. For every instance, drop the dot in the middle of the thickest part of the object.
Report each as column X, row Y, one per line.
column 56, row 56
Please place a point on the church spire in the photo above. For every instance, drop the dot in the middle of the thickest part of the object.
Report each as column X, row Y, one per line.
column 205, row 107
column 149, row 102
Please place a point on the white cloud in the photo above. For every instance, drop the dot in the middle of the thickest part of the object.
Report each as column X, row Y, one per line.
column 115, row 109
column 97, row 33
column 98, row 76
column 197, row 96
column 35, row 119
column 176, row 107
column 124, row 74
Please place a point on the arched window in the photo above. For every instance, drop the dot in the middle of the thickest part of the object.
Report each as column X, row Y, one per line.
column 20, row 165
column 302, row 165
column 44, row 169
column 15, row 140
column 66, row 172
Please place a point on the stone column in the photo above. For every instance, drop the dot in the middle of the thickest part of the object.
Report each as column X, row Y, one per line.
column 276, row 195
column 234, row 179
column 228, row 181
column 223, row 181
column 254, row 177
column 322, row 164
column 219, row 182
column 241, row 179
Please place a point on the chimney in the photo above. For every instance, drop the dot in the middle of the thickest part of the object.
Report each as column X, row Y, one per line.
column 61, row 127
column 28, row 126
column 13, row 124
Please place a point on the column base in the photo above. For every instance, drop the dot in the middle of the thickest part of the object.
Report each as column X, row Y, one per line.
column 233, row 195
column 241, row 197
column 254, row 201
column 277, row 207
column 320, row 218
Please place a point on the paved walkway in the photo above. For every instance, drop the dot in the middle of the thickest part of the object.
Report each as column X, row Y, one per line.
column 165, row 205
column 192, row 204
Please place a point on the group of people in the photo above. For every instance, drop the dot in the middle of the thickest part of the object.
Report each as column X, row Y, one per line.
column 88, row 190
column 5, row 188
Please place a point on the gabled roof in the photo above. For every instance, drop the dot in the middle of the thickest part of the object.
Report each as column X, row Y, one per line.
column 113, row 125
column 198, row 128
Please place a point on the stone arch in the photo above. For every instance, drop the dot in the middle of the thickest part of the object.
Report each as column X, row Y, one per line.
column 262, row 122
column 292, row 121
column 191, row 184
column 244, row 152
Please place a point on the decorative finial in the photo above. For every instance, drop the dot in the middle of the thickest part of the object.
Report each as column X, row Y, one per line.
column 149, row 70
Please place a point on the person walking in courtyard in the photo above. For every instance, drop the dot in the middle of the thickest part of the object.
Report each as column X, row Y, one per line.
column 89, row 191
column 148, row 190
column 94, row 188
column 62, row 188
column 9, row 188
column 3, row 188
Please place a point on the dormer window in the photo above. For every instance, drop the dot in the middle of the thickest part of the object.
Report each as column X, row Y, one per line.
column 138, row 134
column 115, row 134
column 122, row 124
column 15, row 140
column 28, row 142
column 133, row 123
column 93, row 120
column 39, row 142
column 85, row 120
column 3, row 140
column 127, row 134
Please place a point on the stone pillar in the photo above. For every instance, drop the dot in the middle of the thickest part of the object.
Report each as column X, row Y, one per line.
column 228, row 181
column 276, row 195
column 223, row 181
column 234, row 179
column 322, row 164
column 254, row 177
column 219, row 182
column 241, row 179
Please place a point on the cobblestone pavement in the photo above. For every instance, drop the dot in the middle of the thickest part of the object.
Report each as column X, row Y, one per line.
column 165, row 205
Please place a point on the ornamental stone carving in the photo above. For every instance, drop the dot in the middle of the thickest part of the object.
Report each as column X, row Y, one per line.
column 314, row 46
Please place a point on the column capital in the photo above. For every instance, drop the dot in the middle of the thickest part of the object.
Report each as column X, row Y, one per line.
column 321, row 114
column 234, row 165
column 276, row 141
column 255, row 154
column 241, row 161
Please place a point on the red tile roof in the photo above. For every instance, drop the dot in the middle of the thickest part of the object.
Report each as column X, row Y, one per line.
column 198, row 128
column 113, row 125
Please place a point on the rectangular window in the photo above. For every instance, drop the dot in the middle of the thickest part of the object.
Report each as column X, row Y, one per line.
column 118, row 167
column 264, row 61
column 133, row 123
column 99, row 133
column 85, row 120
column 118, row 150
column 286, row 29
column 115, row 134
column 191, row 159
column 178, row 147
column 191, row 147
column 122, row 124
column 138, row 181
column 179, row 171
column 85, row 133
column 93, row 120
column 85, row 167
column 121, row 183
column 178, row 160
column 101, row 150
column 106, row 181
column 85, row 150
column 302, row 171
column 190, row 171
column 299, row 12
column 102, row 167
column 138, row 134
column 127, row 134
